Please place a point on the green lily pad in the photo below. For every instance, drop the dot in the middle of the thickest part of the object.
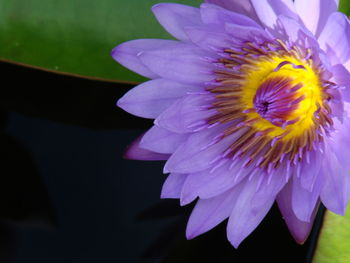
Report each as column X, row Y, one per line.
column 344, row 6
column 76, row 36
column 334, row 240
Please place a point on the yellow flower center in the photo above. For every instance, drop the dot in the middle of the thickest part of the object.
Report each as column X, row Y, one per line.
column 309, row 93
column 274, row 99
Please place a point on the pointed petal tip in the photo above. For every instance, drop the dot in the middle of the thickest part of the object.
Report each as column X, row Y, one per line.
column 167, row 196
column 185, row 201
column 235, row 238
column 123, row 52
column 113, row 51
column 300, row 240
column 163, row 194
column 158, row 6
column 165, row 170
column 120, row 103
column 340, row 211
column 127, row 155
column 187, row 197
column 336, row 208
column 299, row 230
column 190, row 233
column 301, row 236
column 129, row 151
column 134, row 152
column 193, row 231
column 235, row 242
column 123, row 104
column 156, row 122
column 116, row 52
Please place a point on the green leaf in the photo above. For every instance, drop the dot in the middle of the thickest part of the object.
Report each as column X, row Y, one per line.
column 344, row 6
column 334, row 241
column 76, row 36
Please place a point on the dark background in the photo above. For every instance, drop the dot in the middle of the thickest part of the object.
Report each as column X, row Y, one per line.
column 67, row 195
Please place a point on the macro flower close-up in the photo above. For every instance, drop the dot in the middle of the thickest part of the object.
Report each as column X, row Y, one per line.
column 250, row 106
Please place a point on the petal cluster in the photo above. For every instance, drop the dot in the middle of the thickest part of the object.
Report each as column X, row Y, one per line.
column 251, row 106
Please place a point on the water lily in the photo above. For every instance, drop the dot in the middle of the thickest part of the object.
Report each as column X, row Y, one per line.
column 250, row 106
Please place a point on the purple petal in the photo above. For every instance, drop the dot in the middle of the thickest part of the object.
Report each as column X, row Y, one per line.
column 216, row 181
column 215, row 15
column 304, row 201
column 188, row 193
column 210, row 212
column 342, row 78
column 161, row 140
column 128, row 53
column 269, row 184
column 296, row 32
column 245, row 32
column 173, row 185
column 269, row 10
column 188, row 114
column 300, row 230
column 334, row 38
column 209, row 38
column 239, row 6
column 335, row 192
column 251, row 207
column 183, row 63
column 193, row 182
column 151, row 98
column 320, row 10
column 337, row 104
column 341, row 140
column 175, row 17
column 212, row 182
column 134, row 152
column 199, row 151
column 347, row 64
column 311, row 170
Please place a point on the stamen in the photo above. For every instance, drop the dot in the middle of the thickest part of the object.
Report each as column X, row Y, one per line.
column 280, row 65
column 266, row 116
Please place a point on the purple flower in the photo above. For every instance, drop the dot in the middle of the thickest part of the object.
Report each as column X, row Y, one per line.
column 251, row 105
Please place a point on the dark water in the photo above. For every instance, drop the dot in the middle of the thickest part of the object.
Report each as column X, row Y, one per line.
column 67, row 195
column 96, row 194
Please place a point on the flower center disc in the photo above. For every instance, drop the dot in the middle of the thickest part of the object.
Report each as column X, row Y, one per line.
column 274, row 102
column 284, row 94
